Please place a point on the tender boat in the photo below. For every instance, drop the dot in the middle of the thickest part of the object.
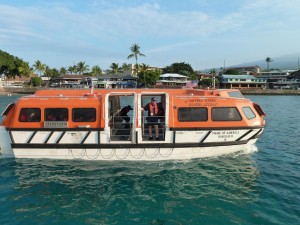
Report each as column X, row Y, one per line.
column 87, row 124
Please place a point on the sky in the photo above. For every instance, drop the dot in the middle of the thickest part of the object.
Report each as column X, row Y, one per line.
column 203, row 33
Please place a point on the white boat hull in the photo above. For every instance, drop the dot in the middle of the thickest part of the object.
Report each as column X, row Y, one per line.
column 63, row 145
column 137, row 154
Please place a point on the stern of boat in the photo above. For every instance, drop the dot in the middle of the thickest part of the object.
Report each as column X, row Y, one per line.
column 5, row 144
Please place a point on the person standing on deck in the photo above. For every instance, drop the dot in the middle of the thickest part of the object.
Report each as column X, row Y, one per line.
column 152, row 119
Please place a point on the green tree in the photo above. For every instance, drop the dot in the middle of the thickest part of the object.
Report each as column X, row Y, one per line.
column 143, row 69
column 39, row 66
column 36, row 81
column 25, row 70
column 135, row 52
column 126, row 67
column 72, row 69
column 63, row 70
column 82, row 68
column 148, row 77
column 114, row 68
column 232, row 72
column 208, row 82
column 19, row 63
column 9, row 64
column 51, row 72
column 269, row 60
column 96, row 70
column 181, row 68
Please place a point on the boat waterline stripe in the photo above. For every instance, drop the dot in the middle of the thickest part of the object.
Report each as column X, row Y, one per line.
column 124, row 145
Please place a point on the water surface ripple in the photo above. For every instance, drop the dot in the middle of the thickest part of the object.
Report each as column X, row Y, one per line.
column 254, row 187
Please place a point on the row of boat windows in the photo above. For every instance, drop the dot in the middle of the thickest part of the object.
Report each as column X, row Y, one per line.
column 190, row 114
column 217, row 114
column 58, row 114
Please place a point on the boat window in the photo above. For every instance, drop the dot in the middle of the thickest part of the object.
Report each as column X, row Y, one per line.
column 235, row 94
column 192, row 114
column 56, row 114
column 30, row 115
column 225, row 114
column 84, row 115
column 248, row 112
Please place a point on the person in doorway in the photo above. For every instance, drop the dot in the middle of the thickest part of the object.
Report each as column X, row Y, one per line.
column 161, row 112
column 152, row 119
column 124, row 115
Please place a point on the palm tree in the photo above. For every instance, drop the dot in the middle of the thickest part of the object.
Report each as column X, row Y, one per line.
column 63, row 70
column 135, row 49
column 126, row 67
column 72, row 69
column 143, row 70
column 25, row 70
column 39, row 66
column 114, row 68
column 268, row 60
column 96, row 70
column 81, row 67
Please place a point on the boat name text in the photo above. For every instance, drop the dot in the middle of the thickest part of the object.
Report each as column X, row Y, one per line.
column 225, row 134
column 202, row 102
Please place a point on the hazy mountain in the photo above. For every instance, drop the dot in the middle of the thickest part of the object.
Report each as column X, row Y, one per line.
column 286, row 62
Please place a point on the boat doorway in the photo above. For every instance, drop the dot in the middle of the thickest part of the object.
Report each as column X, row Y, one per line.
column 121, row 113
column 153, row 116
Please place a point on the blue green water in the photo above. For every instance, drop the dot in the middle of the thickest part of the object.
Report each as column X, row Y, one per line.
column 256, row 187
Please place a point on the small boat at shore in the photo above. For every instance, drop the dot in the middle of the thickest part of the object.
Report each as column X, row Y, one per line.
column 90, row 125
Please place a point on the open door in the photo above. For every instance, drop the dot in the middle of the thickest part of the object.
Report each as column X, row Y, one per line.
column 153, row 116
column 121, row 114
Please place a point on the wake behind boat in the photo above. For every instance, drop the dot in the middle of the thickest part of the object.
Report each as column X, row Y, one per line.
column 130, row 124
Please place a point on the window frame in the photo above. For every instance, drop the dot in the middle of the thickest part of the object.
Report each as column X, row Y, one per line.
column 227, row 113
column 247, row 113
column 37, row 114
column 46, row 114
column 190, row 108
column 84, row 121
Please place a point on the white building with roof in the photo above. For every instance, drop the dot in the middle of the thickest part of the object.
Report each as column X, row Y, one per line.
column 242, row 81
column 172, row 79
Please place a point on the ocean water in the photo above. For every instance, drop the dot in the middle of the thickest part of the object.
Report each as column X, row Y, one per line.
column 258, row 186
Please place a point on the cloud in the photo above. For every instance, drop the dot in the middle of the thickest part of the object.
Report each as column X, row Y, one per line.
column 106, row 29
column 140, row 20
column 134, row 21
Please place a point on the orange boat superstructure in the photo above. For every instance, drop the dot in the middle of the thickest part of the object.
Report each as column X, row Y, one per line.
column 88, row 124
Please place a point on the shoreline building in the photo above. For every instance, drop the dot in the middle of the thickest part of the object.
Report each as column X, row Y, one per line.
column 242, row 82
column 172, row 80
